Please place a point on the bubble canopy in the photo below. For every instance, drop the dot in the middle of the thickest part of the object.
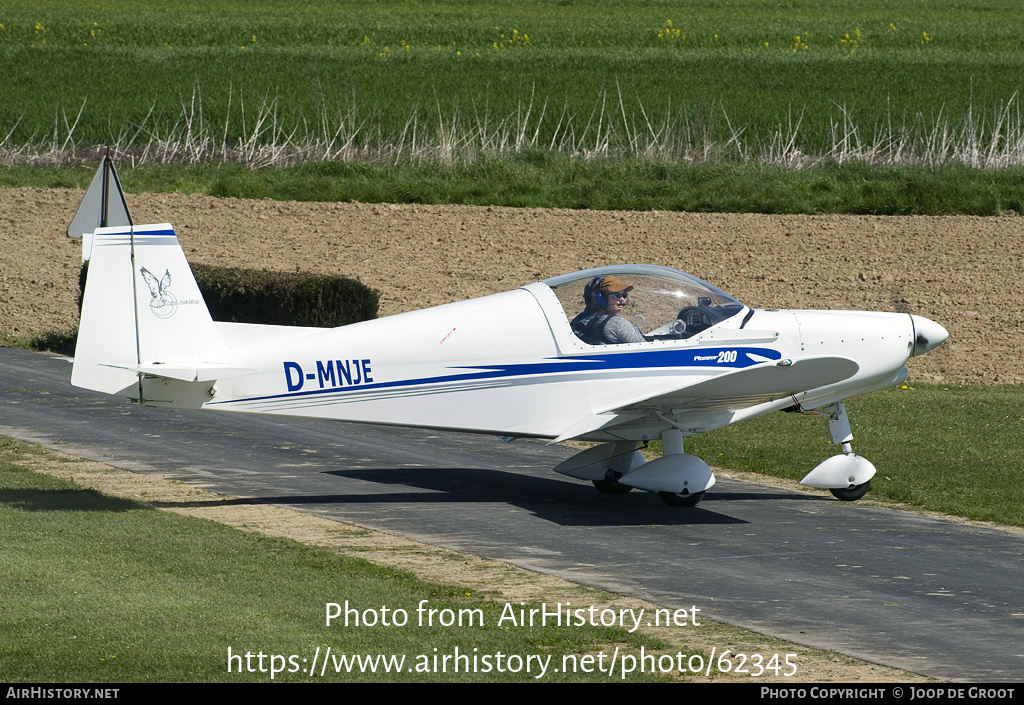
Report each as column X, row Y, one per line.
column 664, row 303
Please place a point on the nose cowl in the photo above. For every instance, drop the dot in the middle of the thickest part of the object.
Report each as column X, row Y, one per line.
column 928, row 334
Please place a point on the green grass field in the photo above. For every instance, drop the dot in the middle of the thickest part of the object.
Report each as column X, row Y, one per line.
column 948, row 449
column 726, row 106
column 679, row 80
column 98, row 589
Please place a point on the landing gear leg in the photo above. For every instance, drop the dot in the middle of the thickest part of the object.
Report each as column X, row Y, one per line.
column 839, row 426
column 847, row 476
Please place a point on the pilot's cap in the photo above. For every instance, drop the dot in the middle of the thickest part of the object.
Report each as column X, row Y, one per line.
column 611, row 284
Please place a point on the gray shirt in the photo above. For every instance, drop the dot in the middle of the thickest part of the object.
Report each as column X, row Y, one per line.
column 606, row 329
column 619, row 330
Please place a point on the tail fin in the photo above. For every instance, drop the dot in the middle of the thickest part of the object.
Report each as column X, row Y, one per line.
column 142, row 307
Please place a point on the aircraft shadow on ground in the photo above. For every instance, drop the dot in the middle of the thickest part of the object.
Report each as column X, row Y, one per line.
column 564, row 502
column 78, row 500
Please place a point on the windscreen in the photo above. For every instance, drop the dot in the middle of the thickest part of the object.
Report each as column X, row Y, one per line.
column 663, row 303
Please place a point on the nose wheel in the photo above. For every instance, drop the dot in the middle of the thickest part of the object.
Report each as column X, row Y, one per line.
column 676, row 499
column 851, row 494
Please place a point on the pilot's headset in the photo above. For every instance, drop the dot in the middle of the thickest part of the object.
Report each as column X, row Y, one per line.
column 592, row 296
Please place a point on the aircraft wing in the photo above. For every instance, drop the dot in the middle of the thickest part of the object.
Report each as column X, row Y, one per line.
column 728, row 392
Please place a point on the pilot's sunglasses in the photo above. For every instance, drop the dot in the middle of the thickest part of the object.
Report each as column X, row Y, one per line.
column 618, row 294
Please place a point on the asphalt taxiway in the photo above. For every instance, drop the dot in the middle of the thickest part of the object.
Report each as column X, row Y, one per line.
column 932, row 596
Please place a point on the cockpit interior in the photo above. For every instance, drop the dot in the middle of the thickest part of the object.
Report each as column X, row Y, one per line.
column 664, row 303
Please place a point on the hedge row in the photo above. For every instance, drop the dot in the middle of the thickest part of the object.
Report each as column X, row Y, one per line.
column 279, row 298
column 283, row 298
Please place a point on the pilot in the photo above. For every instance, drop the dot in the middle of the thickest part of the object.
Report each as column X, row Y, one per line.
column 599, row 323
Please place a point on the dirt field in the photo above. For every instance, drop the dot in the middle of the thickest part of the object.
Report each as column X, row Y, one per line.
column 960, row 271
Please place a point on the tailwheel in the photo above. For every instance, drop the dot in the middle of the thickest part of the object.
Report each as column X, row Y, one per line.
column 851, row 494
column 610, row 486
column 679, row 499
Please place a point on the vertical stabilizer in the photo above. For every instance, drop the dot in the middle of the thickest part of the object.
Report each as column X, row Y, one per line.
column 142, row 306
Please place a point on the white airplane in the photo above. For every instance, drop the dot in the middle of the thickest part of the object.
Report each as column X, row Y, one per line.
column 507, row 364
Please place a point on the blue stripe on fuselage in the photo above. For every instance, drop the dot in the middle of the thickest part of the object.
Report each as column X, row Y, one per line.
column 603, row 362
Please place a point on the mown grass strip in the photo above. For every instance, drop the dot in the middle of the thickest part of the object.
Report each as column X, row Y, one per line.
column 100, row 589
column 552, row 181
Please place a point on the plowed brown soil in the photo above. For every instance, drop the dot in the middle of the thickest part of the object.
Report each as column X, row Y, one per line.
column 961, row 271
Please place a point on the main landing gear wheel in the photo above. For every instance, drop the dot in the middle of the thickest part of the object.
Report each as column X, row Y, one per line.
column 674, row 499
column 607, row 486
column 851, row 494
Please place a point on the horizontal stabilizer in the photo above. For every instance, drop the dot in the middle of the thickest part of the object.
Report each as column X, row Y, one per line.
column 192, row 371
